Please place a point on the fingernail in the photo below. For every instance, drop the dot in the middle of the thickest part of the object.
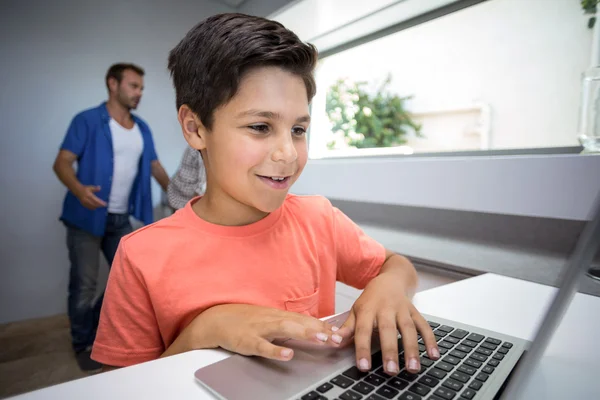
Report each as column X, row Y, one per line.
column 435, row 352
column 322, row 337
column 363, row 364
column 286, row 353
column 335, row 328
column 413, row 364
column 336, row 338
column 392, row 367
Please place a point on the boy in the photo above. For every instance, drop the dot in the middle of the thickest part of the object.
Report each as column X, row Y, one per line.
column 248, row 263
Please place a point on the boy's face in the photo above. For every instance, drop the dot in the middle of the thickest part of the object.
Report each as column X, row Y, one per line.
column 257, row 147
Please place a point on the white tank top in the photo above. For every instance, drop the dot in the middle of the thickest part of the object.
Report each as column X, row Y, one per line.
column 127, row 149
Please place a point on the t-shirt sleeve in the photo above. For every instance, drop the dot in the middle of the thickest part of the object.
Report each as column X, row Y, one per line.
column 359, row 257
column 76, row 136
column 128, row 332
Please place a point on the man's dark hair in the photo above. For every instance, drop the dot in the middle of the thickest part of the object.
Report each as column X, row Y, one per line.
column 208, row 64
column 116, row 71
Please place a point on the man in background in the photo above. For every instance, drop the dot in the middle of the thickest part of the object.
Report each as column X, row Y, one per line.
column 115, row 158
column 189, row 181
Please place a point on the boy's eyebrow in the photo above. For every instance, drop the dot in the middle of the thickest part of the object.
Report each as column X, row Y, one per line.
column 269, row 115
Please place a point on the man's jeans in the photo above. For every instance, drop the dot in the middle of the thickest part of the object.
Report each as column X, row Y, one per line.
column 84, row 254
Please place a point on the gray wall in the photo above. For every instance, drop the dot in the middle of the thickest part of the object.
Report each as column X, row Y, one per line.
column 53, row 57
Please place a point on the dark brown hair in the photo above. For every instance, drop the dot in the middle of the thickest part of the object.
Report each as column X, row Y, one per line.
column 208, row 64
column 116, row 71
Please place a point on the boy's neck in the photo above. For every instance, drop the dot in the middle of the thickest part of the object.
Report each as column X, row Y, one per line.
column 220, row 209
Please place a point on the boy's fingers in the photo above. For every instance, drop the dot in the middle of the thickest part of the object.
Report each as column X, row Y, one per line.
column 346, row 331
column 362, row 339
column 300, row 329
column 261, row 347
column 388, row 335
column 427, row 335
column 409, row 341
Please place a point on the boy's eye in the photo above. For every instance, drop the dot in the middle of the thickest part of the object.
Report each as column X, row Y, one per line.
column 298, row 131
column 260, row 128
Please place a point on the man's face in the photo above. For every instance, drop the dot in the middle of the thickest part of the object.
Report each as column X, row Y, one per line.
column 257, row 147
column 129, row 91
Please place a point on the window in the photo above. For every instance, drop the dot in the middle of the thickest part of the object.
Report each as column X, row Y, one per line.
column 502, row 74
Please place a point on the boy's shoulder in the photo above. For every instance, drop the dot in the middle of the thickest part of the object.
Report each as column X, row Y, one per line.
column 158, row 235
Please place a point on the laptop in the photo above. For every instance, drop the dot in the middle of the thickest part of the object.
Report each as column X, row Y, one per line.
column 475, row 363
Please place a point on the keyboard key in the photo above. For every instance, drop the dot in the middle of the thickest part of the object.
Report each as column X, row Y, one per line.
column 476, row 385
column 482, row 377
column 452, row 340
column 459, row 376
column 324, row 388
column 432, row 397
column 407, row 376
column 463, row 348
column 473, row 363
column 451, row 360
column 486, row 352
column 438, row 338
column 409, row 396
column 441, row 333
column 465, row 369
column 376, row 360
column 433, row 325
column 503, row 350
column 442, row 350
column 445, row 344
column 446, row 328
column 355, row 373
column 493, row 341
column 311, row 396
column 381, row 372
column 374, row 397
column 342, row 381
column 363, row 388
column 508, row 345
column 487, row 369
column 493, row 363
column 489, row 346
column 498, row 357
column 479, row 357
column 452, row 384
column 444, row 366
column 397, row 383
column 430, row 380
column 350, row 395
column 459, row 333
column 422, row 347
column 387, row 392
column 426, row 362
column 469, row 343
column 419, row 389
column 458, row 354
column 374, row 380
column 468, row 394
column 444, row 393
column 438, row 373
column 475, row 337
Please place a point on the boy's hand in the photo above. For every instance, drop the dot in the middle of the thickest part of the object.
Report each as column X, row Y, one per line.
column 385, row 306
column 249, row 330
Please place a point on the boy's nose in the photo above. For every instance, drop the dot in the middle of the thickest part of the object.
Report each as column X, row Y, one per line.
column 285, row 150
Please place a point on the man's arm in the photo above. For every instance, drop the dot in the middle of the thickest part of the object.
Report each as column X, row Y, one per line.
column 63, row 167
column 159, row 173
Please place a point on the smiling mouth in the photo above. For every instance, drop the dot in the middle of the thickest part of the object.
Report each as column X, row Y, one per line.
column 276, row 178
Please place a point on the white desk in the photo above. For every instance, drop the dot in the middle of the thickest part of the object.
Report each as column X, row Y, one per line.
column 489, row 301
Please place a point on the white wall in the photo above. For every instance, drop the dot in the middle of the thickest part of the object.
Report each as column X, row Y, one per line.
column 523, row 58
column 53, row 58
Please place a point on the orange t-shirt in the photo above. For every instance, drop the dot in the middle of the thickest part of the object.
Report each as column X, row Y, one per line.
column 167, row 273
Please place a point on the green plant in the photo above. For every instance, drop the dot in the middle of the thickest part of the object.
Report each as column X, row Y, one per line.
column 366, row 120
column 590, row 7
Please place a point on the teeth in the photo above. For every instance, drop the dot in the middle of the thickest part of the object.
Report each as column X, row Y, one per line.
column 277, row 179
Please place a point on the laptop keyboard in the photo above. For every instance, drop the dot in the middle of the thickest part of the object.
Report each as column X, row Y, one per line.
column 467, row 361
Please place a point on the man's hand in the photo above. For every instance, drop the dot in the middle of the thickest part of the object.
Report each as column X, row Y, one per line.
column 250, row 330
column 385, row 305
column 88, row 199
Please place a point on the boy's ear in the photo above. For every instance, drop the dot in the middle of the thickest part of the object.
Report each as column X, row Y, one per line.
column 194, row 131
